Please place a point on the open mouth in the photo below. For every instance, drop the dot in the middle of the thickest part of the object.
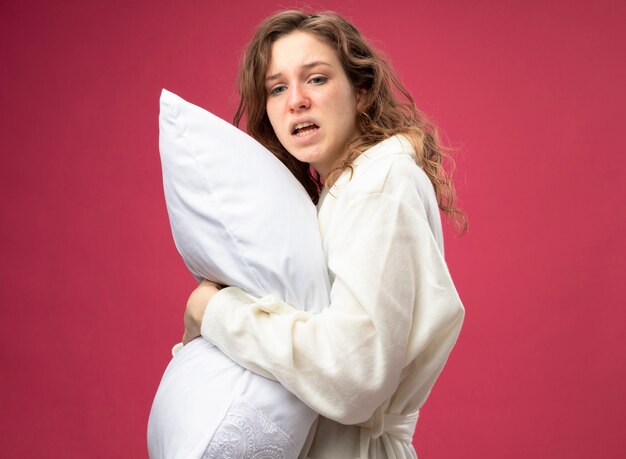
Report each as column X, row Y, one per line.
column 303, row 129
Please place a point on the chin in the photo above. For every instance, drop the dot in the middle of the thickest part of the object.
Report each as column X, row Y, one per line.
column 304, row 155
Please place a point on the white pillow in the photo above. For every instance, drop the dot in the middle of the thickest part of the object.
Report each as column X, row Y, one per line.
column 238, row 217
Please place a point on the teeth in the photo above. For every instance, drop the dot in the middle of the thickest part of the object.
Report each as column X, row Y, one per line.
column 302, row 125
column 299, row 126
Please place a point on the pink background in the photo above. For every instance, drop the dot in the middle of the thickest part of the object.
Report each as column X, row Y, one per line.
column 93, row 290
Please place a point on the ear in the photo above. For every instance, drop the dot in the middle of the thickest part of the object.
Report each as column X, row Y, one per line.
column 360, row 99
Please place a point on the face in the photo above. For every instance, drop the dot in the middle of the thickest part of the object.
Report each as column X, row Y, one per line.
column 311, row 104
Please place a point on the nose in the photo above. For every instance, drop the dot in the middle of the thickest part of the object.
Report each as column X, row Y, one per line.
column 298, row 99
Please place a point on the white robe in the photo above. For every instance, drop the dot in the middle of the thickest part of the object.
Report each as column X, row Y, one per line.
column 368, row 362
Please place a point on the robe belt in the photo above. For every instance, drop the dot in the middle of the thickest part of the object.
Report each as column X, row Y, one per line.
column 398, row 426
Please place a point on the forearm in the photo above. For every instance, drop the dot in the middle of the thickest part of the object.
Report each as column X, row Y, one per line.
column 337, row 365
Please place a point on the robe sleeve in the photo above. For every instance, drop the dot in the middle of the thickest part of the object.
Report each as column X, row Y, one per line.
column 392, row 300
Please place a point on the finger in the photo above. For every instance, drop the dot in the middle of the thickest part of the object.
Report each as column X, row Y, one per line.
column 208, row 283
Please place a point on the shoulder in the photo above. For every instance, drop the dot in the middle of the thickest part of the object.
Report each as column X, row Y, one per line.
column 387, row 175
column 387, row 168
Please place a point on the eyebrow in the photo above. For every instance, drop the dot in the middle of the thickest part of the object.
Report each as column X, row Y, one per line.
column 305, row 67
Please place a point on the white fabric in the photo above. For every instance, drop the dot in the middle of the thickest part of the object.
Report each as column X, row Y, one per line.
column 372, row 357
column 238, row 217
column 398, row 427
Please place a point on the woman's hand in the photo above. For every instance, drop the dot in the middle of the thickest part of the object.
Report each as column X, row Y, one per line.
column 196, row 305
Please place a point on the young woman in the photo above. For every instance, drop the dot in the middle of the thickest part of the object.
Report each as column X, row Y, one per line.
column 318, row 96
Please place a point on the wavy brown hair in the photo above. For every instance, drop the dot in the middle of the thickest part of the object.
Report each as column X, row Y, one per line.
column 388, row 108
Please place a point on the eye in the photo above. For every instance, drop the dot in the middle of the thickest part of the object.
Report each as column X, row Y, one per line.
column 277, row 90
column 318, row 80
